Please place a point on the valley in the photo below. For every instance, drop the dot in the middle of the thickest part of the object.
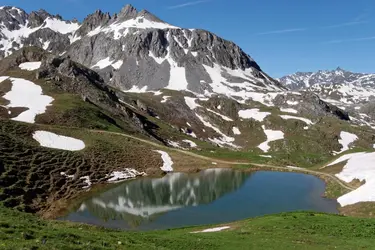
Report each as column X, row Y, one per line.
column 128, row 122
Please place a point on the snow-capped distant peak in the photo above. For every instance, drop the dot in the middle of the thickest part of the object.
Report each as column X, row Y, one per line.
column 347, row 90
column 302, row 80
column 19, row 29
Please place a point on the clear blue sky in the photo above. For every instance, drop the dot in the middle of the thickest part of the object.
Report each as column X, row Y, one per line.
column 283, row 36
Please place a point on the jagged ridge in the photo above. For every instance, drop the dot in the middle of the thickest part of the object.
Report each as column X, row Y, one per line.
column 137, row 51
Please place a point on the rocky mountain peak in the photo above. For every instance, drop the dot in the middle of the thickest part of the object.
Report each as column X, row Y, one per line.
column 149, row 16
column 128, row 12
column 137, row 50
column 36, row 18
column 12, row 17
column 92, row 21
column 339, row 69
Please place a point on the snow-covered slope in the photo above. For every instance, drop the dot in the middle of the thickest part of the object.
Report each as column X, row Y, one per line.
column 354, row 92
column 19, row 29
column 302, row 80
column 339, row 86
column 134, row 50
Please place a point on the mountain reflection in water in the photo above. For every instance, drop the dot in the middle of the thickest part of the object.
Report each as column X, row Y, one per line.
column 210, row 197
column 142, row 200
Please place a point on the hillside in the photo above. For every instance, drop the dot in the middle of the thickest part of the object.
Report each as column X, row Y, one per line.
column 86, row 105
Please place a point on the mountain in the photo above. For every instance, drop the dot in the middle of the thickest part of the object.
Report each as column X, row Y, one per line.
column 130, row 91
column 301, row 80
column 350, row 91
column 138, row 51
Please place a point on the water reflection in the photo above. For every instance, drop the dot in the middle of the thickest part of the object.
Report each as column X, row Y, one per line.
column 143, row 200
column 210, row 197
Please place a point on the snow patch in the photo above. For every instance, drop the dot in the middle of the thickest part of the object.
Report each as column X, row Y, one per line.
column 289, row 110
column 305, row 120
column 30, row 66
column 225, row 118
column 191, row 102
column 27, row 94
column 174, row 144
column 46, row 45
column 272, row 135
column 117, row 64
column 346, row 139
column 52, row 140
column 158, row 60
column 266, row 156
column 236, row 131
column 167, row 161
column 345, row 158
column 67, row 176
column 294, row 167
column 157, row 93
column 121, row 29
column 136, row 89
column 191, row 143
column 292, row 103
column 224, row 140
column 177, row 80
column 106, row 62
column 211, row 230
column 360, row 166
column 165, row 99
column 253, row 114
column 86, row 181
column 127, row 173
column 60, row 26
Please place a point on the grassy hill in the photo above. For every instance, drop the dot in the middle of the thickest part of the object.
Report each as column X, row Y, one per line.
column 283, row 231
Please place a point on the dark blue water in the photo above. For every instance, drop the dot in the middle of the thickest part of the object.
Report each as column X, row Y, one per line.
column 209, row 197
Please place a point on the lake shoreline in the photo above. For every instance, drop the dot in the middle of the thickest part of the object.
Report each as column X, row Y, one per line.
column 64, row 206
column 80, row 205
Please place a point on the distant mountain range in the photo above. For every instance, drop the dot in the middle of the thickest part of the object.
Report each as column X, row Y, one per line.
column 303, row 80
column 354, row 92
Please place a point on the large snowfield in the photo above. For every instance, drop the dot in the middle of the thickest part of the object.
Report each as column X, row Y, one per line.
column 26, row 94
column 52, row 140
column 360, row 166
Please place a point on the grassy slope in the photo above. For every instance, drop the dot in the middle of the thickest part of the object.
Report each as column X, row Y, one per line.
column 284, row 231
column 303, row 148
column 30, row 176
column 298, row 230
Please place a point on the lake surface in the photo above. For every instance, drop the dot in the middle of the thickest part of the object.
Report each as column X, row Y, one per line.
column 209, row 197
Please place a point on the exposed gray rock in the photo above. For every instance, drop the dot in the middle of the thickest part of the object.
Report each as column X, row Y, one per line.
column 93, row 21
column 128, row 12
column 36, row 18
column 339, row 76
column 150, row 55
column 311, row 105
